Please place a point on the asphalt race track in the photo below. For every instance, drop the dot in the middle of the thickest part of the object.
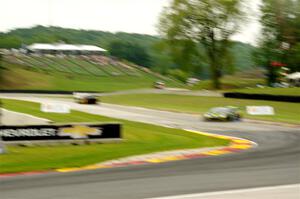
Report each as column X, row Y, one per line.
column 275, row 162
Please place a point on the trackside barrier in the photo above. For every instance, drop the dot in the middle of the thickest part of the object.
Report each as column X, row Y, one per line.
column 45, row 92
column 79, row 133
column 281, row 98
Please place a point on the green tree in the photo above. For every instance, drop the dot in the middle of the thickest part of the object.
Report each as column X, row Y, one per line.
column 161, row 59
column 131, row 52
column 185, row 55
column 279, row 41
column 209, row 23
column 7, row 41
column 293, row 59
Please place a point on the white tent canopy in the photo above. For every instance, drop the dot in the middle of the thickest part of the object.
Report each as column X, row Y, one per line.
column 64, row 47
column 295, row 75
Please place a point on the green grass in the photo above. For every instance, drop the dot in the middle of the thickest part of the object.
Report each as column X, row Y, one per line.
column 139, row 138
column 285, row 112
column 272, row 91
column 236, row 81
column 230, row 82
column 17, row 77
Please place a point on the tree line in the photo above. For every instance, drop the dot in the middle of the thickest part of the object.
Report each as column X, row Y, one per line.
column 187, row 24
column 280, row 39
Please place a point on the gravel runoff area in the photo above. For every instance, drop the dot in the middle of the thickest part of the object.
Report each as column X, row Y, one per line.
column 15, row 118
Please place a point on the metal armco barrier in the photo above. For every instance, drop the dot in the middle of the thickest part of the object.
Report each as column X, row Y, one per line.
column 58, row 133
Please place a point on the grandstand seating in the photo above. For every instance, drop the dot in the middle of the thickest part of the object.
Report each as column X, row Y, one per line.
column 81, row 65
column 87, row 66
column 51, row 66
column 63, row 62
column 32, row 63
column 103, row 64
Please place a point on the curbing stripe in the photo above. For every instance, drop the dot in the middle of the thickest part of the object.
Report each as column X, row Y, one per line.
column 216, row 152
column 7, row 175
column 68, row 170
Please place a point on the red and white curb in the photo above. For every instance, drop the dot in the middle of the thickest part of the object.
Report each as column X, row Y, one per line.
column 29, row 173
column 236, row 145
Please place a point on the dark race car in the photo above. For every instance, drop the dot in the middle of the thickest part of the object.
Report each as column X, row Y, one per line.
column 85, row 98
column 223, row 114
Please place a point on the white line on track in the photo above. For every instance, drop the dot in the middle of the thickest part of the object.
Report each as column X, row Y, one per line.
column 282, row 191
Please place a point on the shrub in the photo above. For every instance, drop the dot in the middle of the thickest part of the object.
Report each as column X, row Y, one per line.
column 178, row 74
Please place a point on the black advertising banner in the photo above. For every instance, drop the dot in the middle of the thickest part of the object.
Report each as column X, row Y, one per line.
column 60, row 132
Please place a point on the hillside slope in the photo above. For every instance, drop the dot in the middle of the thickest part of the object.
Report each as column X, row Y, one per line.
column 74, row 74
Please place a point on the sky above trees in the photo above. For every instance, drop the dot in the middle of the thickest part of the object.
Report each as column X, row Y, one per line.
column 135, row 16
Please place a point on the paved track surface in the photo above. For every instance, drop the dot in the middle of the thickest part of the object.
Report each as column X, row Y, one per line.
column 15, row 118
column 276, row 161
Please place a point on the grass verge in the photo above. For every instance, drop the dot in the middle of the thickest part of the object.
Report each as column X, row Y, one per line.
column 229, row 82
column 285, row 111
column 139, row 138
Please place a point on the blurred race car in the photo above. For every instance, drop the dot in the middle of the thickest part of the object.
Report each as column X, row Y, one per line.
column 228, row 113
column 85, row 98
column 159, row 85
